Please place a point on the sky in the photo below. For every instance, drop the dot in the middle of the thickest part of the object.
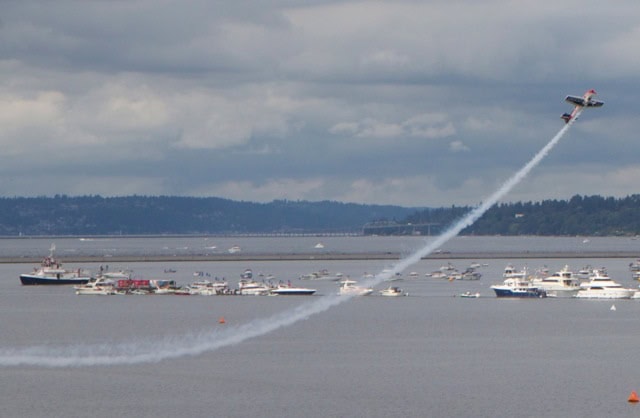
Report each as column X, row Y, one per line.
column 411, row 103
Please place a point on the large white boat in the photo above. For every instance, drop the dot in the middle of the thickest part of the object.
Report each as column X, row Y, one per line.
column 561, row 284
column 350, row 287
column 518, row 288
column 601, row 286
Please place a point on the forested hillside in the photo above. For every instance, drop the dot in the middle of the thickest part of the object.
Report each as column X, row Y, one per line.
column 580, row 215
column 143, row 215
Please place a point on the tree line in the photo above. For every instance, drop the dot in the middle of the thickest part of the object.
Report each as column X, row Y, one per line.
column 579, row 215
column 157, row 215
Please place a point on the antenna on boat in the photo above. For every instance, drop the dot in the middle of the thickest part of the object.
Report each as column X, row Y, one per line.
column 53, row 248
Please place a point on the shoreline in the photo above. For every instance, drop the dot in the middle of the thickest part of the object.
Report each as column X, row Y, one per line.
column 325, row 256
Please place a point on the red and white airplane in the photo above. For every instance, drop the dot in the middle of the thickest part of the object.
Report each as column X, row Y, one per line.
column 579, row 103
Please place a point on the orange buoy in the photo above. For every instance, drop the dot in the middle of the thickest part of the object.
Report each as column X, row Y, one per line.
column 222, row 321
column 633, row 397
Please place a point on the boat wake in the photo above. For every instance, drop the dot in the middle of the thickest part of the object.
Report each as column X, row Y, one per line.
column 194, row 344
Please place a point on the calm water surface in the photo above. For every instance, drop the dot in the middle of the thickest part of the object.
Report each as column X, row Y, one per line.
column 426, row 355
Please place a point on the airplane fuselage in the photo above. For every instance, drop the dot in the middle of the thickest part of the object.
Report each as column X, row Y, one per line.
column 580, row 102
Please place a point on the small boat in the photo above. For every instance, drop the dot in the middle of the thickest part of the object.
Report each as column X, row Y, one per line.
column 319, row 246
column 51, row 272
column 163, row 287
column 288, row 290
column 392, row 291
column 470, row 295
column 518, row 288
column 235, row 249
column 350, row 288
column 253, row 288
column 99, row 286
column 511, row 272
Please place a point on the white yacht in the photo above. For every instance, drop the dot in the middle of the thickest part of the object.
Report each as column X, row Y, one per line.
column 600, row 286
column 351, row 288
column 562, row 284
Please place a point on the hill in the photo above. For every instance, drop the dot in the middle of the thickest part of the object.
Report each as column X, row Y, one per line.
column 146, row 215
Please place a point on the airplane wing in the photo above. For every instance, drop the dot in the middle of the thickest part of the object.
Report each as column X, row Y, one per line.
column 594, row 103
column 578, row 101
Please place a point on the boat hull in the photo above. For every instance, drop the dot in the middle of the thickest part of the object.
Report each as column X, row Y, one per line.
column 29, row 280
column 293, row 292
column 518, row 293
column 619, row 294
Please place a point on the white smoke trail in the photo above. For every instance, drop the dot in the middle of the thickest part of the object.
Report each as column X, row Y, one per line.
column 195, row 344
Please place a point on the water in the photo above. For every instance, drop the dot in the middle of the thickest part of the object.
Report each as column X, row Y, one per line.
column 429, row 354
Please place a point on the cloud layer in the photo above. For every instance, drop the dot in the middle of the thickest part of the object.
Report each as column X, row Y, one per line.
column 410, row 103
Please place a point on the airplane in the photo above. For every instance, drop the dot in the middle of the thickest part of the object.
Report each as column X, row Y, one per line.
column 579, row 103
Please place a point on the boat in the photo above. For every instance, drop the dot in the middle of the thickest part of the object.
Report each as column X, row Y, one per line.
column 289, row 290
column 51, row 272
column 392, row 291
column 518, row 288
column 511, row 272
column 235, row 249
column 561, row 284
column 208, row 287
column 319, row 246
column 163, row 287
column 350, row 287
column 253, row 288
column 601, row 286
column 98, row 286
column 470, row 295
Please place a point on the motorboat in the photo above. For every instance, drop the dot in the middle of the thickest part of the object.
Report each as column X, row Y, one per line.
column 253, row 288
column 51, row 272
column 512, row 272
column 392, row 291
column 561, row 284
column 470, row 295
column 289, row 290
column 470, row 274
column 601, row 286
column 518, row 288
column 208, row 287
column 98, row 286
column 350, row 287
column 235, row 249
column 163, row 287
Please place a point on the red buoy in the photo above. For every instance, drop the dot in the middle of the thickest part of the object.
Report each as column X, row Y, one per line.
column 222, row 321
column 633, row 397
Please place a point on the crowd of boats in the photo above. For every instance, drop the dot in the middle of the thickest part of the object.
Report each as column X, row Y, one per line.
column 588, row 283
column 110, row 282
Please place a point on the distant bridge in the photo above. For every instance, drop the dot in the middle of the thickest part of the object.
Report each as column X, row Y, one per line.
column 395, row 228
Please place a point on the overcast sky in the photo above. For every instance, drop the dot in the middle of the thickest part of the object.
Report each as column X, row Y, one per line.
column 412, row 103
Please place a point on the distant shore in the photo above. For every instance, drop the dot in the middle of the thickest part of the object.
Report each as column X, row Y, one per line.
column 326, row 256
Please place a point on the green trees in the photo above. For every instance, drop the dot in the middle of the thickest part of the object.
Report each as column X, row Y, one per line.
column 580, row 215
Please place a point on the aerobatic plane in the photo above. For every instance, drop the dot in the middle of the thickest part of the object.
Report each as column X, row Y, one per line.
column 580, row 102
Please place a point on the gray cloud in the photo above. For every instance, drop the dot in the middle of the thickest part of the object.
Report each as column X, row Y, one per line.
column 413, row 103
